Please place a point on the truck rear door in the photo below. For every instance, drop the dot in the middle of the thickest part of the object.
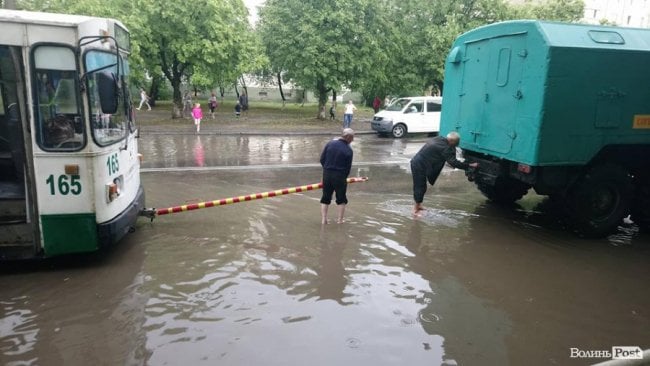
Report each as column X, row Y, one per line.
column 491, row 91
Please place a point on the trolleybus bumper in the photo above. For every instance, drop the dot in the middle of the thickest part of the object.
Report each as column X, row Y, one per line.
column 111, row 232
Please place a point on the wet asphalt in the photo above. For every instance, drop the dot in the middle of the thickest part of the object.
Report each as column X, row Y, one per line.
column 263, row 283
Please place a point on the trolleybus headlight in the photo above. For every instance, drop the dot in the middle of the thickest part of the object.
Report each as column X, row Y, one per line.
column 113, row 190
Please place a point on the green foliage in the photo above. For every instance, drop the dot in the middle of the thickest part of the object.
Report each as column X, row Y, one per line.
column 394, row 47
column 559, row 10
column 322, row 45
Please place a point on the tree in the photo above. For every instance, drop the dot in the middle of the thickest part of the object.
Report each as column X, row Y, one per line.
column 188, row 39
column 420, row 35
column 320, row 45
column 558, row 10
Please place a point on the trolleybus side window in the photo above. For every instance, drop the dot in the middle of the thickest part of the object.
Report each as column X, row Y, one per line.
column 107, row 128
column 59, row 124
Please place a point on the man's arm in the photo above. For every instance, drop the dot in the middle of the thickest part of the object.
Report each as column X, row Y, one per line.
column 450, row 157
column 349, row 164
column 322, row 155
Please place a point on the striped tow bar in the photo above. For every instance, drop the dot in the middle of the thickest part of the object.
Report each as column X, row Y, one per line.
column 153, row 212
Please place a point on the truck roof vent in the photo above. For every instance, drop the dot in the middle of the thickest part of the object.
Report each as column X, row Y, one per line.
column 607, row 37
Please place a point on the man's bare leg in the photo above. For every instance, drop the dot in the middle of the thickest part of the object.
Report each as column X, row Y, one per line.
column 341, row 211
column 323, row 213
column 417, row 209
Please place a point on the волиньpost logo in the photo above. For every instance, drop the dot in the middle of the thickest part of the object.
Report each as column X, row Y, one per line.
column 616, row 353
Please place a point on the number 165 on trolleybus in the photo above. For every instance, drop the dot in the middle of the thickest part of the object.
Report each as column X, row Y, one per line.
column 69, row 163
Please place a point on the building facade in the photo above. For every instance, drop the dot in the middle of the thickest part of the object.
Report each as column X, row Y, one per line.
column 624, row 13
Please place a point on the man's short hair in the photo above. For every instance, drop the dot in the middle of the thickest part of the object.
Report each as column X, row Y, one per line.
column 453, row 135
column 347, row 132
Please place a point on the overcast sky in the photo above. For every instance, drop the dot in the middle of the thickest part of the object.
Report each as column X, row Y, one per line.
column 252, row 9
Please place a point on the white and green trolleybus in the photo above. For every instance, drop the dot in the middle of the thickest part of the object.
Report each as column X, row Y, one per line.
column 69, row 162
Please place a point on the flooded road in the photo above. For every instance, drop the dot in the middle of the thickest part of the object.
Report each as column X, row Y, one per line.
column 263, row 283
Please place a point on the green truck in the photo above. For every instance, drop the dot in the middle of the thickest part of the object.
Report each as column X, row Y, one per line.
column 560, row 108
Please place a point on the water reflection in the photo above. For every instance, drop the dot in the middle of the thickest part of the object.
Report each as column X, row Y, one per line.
column 199, row 153
column 71, row 309
column 180, row 150
column 331, row 272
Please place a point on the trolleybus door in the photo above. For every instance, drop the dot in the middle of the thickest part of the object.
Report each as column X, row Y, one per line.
column 17, row 223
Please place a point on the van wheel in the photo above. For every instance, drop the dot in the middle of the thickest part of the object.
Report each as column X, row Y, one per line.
column 399, row 130
column 599, row 200
column 641, row 205
column 505, row 191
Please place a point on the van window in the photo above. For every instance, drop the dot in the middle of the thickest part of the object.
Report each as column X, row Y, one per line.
column 433, row 107
column 415, row 107
column 398, row 105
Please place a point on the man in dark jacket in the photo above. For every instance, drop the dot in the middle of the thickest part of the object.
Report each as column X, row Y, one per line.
column 336, row 160
column 429, row 161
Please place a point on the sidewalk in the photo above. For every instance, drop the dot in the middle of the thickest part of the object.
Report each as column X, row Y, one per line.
column 264, row 119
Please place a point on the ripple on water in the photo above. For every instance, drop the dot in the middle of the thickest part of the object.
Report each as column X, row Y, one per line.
column 18, row 329
column 430, row 216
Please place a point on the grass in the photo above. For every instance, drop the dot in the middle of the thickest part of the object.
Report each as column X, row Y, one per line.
column 262, row 116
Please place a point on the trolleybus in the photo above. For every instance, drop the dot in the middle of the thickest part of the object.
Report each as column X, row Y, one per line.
column 69, row 163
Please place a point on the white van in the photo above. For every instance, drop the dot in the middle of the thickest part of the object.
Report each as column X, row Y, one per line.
column 409, row 115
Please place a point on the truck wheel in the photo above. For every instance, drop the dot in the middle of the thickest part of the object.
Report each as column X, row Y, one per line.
column 399, row 130
column 505, row 191
column 599, row 200
column 641, row 205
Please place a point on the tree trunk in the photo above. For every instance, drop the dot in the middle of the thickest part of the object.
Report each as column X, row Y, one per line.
column 440, row 85
column 322, row 91
column 222, row 91
column 9, row 4
column 243, row 85
column 237, row 91
column 284, row 100
column 154, row 90
column 177, row 105
column 334, row 97
column 174, row 72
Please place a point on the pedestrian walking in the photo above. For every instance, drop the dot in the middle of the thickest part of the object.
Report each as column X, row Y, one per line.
column 336, row 160
column 376, row 104
column 237, row 110
column 197, row 114
column 187, row 103
column 212, row 104
column 349, row 111
column 243, row 101
column 333, row 112
column 144, row 99
column 429, row 161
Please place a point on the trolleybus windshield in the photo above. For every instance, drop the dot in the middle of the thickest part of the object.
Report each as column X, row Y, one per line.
column 59, row 124
column 106, row 128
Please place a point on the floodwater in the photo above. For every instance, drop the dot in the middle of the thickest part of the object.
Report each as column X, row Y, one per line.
column 263, row 283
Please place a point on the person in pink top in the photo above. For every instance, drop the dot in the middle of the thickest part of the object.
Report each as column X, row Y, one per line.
column 197, row 113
